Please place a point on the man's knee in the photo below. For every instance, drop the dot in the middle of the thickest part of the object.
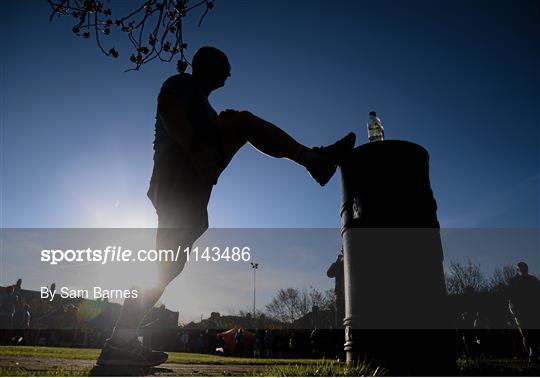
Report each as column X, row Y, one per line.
column 246, row 115
column 236, row 117
column 236, row 129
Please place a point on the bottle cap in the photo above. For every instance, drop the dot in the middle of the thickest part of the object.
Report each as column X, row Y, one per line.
column 372, row 114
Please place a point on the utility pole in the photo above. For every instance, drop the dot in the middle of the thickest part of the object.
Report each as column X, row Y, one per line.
column 254, row 266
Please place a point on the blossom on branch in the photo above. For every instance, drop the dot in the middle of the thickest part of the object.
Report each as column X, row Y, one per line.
column 154, row 27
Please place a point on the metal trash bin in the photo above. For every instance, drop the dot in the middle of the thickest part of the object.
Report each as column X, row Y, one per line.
column 395, row 296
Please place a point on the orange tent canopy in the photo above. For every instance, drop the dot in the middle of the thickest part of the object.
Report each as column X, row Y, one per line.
column 228, row 339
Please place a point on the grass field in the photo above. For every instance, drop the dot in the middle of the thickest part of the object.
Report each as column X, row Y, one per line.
column 60, row 372
column 253, row 367
column 321, row 369
column 231, row 365
column 498, row 367
column 174, row 357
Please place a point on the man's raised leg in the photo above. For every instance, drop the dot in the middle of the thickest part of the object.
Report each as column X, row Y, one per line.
column 238, row 128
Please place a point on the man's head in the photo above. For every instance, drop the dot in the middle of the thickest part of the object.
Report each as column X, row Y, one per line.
column 522, row 269
column 211, row 67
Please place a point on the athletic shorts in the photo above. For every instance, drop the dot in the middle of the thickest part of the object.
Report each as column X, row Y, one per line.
column 179, row 196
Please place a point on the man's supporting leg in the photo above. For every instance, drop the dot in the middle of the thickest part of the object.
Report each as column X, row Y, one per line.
column 123, row 348
column 135, row 310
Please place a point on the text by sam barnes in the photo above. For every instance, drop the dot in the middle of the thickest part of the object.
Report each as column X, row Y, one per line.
column 96, row 292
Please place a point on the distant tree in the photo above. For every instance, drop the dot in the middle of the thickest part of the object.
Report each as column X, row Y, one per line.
column 291, row 304
column 464, row 278
column 323, row 300
column 331, row 297
column 501, row 277
column 153, row 27
column 286, row 305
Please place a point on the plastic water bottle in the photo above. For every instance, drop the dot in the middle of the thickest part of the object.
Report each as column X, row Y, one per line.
column 375, row 128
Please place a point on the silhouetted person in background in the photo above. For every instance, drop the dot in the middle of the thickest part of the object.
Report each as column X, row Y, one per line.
column 199, row 343
column 8, row 302
column 292, row 345
column 239, row 342
column 268, row 344
column 192, row 146
column 257, row 344
column 524, row 304
column 336, row 271
column 18, row 286
column 221, row 345
column 184, row 339
column 21, row 322
column 315, row 339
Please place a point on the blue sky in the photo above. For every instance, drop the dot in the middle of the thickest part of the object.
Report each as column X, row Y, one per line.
column 458, row 77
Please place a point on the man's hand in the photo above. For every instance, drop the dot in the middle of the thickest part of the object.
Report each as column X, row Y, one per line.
column 205, row 162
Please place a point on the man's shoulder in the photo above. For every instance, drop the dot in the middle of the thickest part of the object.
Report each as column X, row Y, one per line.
column 183, row 86
column 513, row 282
column 530, row 280
column 513, row 279
column 179, row 80
column 534, row 280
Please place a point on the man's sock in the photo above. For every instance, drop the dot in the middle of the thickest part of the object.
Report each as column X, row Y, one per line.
column 122, row 335
column 305, row 155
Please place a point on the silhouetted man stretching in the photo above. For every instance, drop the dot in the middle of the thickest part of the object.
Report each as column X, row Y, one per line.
column 192, row 146
column 524, row 304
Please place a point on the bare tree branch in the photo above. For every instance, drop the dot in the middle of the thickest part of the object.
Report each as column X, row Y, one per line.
column 162, row 17
column 465, row 278
column 291, row 304
column 501, row 277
